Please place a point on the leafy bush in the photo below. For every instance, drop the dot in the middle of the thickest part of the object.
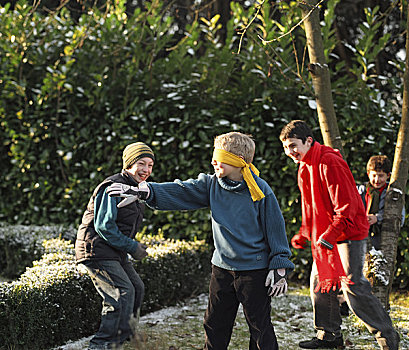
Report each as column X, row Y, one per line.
column 54, row 302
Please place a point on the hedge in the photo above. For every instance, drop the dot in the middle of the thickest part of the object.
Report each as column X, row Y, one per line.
column 20, row 245
column 53, row 301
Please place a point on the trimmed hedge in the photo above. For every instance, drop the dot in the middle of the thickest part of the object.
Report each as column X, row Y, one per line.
column 20, row 245
column 54, row 302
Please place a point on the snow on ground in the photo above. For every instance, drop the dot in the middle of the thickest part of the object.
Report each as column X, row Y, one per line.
column 180, row 327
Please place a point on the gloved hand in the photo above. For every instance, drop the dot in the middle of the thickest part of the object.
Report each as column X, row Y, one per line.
column 140, row 252
column 329, row 238
column 130, row 193
column 277, row 282
column 298, row 241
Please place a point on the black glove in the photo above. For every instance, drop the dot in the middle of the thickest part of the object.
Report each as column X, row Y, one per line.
column 140, row 252
column 130, row 193
column 277, row 282
column 321, row 241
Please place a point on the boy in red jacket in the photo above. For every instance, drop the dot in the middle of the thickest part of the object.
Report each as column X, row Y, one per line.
column 334, row 220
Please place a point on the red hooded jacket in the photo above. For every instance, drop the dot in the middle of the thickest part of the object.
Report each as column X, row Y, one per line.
column 331, row 209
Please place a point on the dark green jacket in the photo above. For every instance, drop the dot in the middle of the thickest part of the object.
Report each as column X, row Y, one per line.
column 91, row 245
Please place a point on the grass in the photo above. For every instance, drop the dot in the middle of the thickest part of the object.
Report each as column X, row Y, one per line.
column 180, row 327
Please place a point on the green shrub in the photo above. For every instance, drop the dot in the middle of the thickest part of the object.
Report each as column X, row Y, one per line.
column 54, row 302
column 20, row 245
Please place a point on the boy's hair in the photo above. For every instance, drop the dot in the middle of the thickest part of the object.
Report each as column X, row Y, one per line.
column 379, row 163
column 296, row 129
column 237, row 143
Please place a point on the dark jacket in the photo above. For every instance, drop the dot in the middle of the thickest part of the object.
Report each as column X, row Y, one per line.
column 89, row 244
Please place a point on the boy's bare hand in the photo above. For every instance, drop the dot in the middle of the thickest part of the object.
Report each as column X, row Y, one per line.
column 299, row 241
column 372, row 219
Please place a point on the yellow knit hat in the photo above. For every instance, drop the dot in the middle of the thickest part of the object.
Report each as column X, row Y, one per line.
column 135, row 151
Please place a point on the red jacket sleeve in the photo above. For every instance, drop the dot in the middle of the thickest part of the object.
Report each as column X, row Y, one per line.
column 343, row 197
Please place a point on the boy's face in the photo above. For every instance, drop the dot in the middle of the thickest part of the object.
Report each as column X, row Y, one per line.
column 141, row 169
column 296, row 149
column 377, row 178
column 226, row 170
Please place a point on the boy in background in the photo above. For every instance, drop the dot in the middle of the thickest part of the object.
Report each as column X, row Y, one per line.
column 373, row 195
column 250, row 262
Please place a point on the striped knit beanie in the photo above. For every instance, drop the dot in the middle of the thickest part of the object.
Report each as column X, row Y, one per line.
column 136, row 151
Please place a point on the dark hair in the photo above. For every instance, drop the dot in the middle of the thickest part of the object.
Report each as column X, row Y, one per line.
column 296, row 129
column 379, row 163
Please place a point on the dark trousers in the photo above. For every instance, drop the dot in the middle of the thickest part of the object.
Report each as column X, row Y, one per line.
column 361, row 301
column 122, row 292
column 226, row 291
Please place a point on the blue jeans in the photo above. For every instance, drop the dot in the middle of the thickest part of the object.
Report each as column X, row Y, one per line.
column 361, row 301
column 122, row 292
column 227, row 290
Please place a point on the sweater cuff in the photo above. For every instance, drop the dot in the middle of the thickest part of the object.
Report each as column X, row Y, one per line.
column 150, row 196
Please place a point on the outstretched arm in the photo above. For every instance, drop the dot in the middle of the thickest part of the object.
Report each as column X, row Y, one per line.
column 180, row 195
column 177, row 195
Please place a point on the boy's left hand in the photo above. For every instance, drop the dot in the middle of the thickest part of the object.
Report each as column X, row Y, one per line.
column 372, row 219
column 324, row 243
column 277, row 282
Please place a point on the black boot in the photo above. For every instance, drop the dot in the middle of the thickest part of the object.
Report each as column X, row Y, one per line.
column 316, row 343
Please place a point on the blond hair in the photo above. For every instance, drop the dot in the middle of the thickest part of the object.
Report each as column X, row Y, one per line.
column 241, row 145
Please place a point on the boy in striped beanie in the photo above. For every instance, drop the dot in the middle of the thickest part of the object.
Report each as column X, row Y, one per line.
column 105, row 237
column 134, row 152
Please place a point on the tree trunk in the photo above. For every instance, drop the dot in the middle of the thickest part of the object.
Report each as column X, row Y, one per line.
column 395, row 197
column 320, row 77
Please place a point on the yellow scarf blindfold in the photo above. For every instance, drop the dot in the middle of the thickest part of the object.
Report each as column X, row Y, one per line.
column 229, row 158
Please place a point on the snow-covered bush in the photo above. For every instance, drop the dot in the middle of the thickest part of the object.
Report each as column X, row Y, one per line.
column 53, row 301
column 50, row 302
column 21, row 245
column 174, row 270
column 375, row 268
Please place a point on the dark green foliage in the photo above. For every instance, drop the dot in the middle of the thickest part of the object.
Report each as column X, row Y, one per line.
column 73, row 95
column 54, row 302
column 67, row 120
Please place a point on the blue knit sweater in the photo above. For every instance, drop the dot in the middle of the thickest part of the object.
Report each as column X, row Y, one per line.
column 247, row 235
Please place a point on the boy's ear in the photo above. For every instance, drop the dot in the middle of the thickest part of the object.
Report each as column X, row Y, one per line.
column 309, row 140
